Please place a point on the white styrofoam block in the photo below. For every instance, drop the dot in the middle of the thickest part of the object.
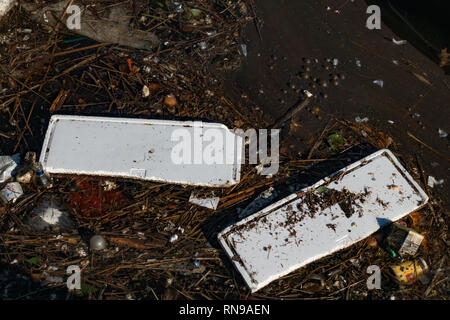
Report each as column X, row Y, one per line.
column 272, row 242
column 140, row 149
column 5, row 5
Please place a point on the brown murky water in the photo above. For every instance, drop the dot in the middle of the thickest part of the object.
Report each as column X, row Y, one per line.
column 294, row 50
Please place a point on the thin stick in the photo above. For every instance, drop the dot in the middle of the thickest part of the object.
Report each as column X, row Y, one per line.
column 425, row 145
column 291, row 112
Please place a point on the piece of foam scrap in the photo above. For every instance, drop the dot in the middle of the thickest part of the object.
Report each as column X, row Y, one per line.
column 207, row 202
column 5, row 6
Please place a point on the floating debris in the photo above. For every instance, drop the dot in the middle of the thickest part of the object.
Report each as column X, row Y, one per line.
column 379, row 83
column 442, row 133
column 301, row 228
column 51, row 214
column 5, row 6
column 11, row 192
column 203, row 201
column 432, row 181
column 97, row 243
column 113, row 27
column 409, row 272
column 145, row 91
column 399, row 42
column 170, row 101
column 8, row 166
column 122, row 148
column 402, row 240
column 244, row 49
column 41, row 178
column 173, row 238
column 361, row 120
column 335, row 141
column 109, row 185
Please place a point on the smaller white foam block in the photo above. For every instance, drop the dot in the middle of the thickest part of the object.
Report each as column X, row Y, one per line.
column 207, row 202
column 268, row 244
column 5, row 5
column 141, row 149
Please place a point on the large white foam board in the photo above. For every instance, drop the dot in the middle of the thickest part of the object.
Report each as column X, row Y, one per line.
column 140, row 149
column 272, row 242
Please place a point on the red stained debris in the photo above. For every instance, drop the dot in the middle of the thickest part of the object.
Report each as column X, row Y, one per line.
column 92, row 201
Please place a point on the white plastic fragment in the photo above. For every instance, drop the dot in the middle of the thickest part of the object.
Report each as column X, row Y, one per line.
column 390, row 122
column 244, row 49
column 290, row 233
column 109, row 185
column 361, row 120
column 308, row 94
column 173, row 238
column 182, row 152
column 335, row 62
column 24, row 30
column 145, row 91
column 379, row 83
column 207, row 202
column 11, row 192
column 5, row 6
column 8, row 166
column 399, row 42
column 442, row 133
column 358, row 63
column 432, row 181
column 81, row 252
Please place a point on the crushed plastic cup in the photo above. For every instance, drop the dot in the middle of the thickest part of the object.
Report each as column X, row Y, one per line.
column 11, row 192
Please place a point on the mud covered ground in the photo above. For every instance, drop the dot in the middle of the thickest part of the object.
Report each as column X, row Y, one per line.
column 202, row 62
